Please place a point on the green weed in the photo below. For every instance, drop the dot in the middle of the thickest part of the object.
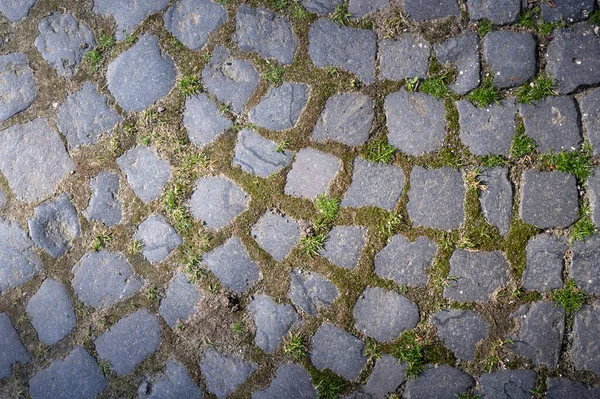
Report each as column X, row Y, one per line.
column 522, row 145
column 237, row 328
column 101, row 240
column 379, row 151
column 411, row 84
column 485, row 27
column 329, row 387
column 294, row 346
column 595, row 17
column 436, row 85
column 341, row 15
column 486, row 94
column 570, row 298
column 584, row 227
column 151, row 294
column 189, row 85
column 274, row 74
column 297, row 12
column 312, row 244
column 577, row 163
column 539, row 88
column 492, row 161
column 409, row 350
column 391, row 223
column 328, row 209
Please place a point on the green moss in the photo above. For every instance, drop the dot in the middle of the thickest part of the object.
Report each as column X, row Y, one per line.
column 409, row 350
column 189, row 85
column 485, row 27
column 569, row 297
column 595, row 17
column 297, row 12
column 577, row 163
column 527, row 19
column 486, row 94
column 515, row 242
column 539, row 88
column 492, row 161
column 522, row 144
column 379, row 151
column 274, row 74
column 329, row 386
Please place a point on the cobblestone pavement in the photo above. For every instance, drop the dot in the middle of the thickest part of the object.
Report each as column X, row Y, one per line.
column 313, row 199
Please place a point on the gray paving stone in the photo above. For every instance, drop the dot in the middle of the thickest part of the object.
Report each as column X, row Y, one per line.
column 416, row 122
column 173, row 383
column 85, row 115
column 405, row 262
column 18, row 88
column 507, row 384
column 360, row 8
column 585, row 352
column 63, row 40
column 384, row 315
column 103, row 278
column 11, row 346
column 568, row 11
column 553, row 123
column 423, row 10
column 489, row 130
column 259, row 156
column 347, row 118
column 593, row 191
column 436, row 198
column 224, row 373
column 344, row 246
column 374, row 184
column 19, row 262
column 231, row 80
column 573, row 58
column 272, row 320
column 545, row 254
column 321, row 7
column 33, row 159
column 337, row 350
column 539, row 332
column 351, row 49
column 548, row 199
column 291, row 381
column 461, row 331
column 497, row 198
column 141, row 75
column 51, row 312
column 404, row 58
column 564, row 388
column 203, row 121
column 54, row 225
column 310, row 291
column 146, row 172
column 180, row 300
column 589, row 105
column 217, row 201
column 104, row 205
column 265, row 32
column 311, row 174
column 128, row 13
column 75, row 376
column 511, row 57
column 498, row 12
column 16, row 10
column 276, row 234
column 232, row 265
column 158, row 237
column 281, row 107
column 3, row 197
column 191, row 21
column 442, row 382
column 585, row 264
column 462, row 51
column 476, row 275
column 386, row 377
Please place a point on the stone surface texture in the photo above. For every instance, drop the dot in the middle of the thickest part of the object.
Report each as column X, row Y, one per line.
column 128, row 13
column 259, row 156
column 344, row 245
column 12, row 348
column 545, row 262
column 146, row 172
column 232, row 201
column 180, row 300
column 310, row 291
column 191, row 21
column 19, row 262
column 51, row 312
column 374, row 184
column 173, row 383
column 158, row 238
column 511, row 56
column 337, row 350
column 203, row 121
column 461, row 51
column 105, row 205
column 281, row 107
column 273, row 321
column 276, row 234
column 232, row 265
column 224, row 373
column 311, row 174
column 497, row 198
column 442, row 382
column 461, row 331
column 404, row 58
column 18, row 89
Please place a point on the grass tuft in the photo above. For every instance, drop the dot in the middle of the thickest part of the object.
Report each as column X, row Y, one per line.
column 584, row 227
column 379, row 151
column 486, row 94
column 577, row 163
column 294, row 346
column 372, row 350
column 436, row 85
column 274, row 74
column 540, row 87
column 570, row 298
column 410, row 351
column 391, row 223
column 341, row 15
column 411, row 84
column 101, row 240
column 189, row 85
column 96, row 56
column 328, row 209
column 595, row 18
column 485, row 27
column 312, row 244
column 492, row 161
column 522, row 145
column 297, row 12
column 526, row 19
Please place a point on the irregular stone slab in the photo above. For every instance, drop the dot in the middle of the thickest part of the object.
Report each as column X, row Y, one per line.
column 231, row 80
column 404, row 58
column 217, row 201
column 18, row 89
column 568, row 10
column 33, row 159
column 51, row 312
column 173, row 383
column 281, row 107
column 310, row 291
column 146, row 172
column 461, row 331
column 19, row 262
column 442, row 382
column 269, row 34
column 374, row 184
column 75, row 376
column 311, row 174
column 423, row 10
column 203, row 121
column 224, row 373
column 128, row 13
column 54, row 225
column 593, row 190
column 104, row 204
column 405, row 262
column 585, row 264
column 497, row 198
column 273, row 321
column 589, row 106
column 291, row 381
column 351, row 49
column 158, row 237
column 141, row 75
column 11, row 346
column 321, row 7
column 180, row 300
column 507, row 384
column 564, row 388
column 476, row 275
column 573, row 58
column 553, row 124
column 360, row 8
column 191, row 21
column 347, row 119
column 85, row 115
column 548, row 199
column 489, row 130
column 232, row 265
column 416, row 122
column 436, row 198
column 585, row 352
column 16, row 10
column 344, row 246
column 461, row 51
column 337, row 350
column 511, row 57
column 259, row 156
column 276, row 234
column 384, row 315
column 104, row 278
column 498, row 12
column 545, row 254
column 539, row 332
column 130, row 341
column 386, row 377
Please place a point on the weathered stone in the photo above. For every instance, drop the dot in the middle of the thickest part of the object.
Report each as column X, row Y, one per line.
column 19, row 262
column 146, row 172
column 173, row 383
column 291, row 381
column 405, row 262
column 128, row 13
column 224, row 373
column 593, row 190
column 568, row 11
column 179, row 302
column 191, row 21
column 347, row 119
column 16, row 10
column 310, row 291
column 564, row 388
column 499, row 12
column 11, row 347
column 3, row 197
column 281, row 107
column 585, row 352
column 463, row 52
column 386, row 377
column 321, row 7
column 203, row 121
column 311, row 174
column 507, row 384
column 259, row 156
column 273, row 321
column 360, row 8
column 217, row 201
column 344, row 246
column 497, row 198
column 374, row 184
column 18, row 89
column 104, row 205
column 511, row 57
column 276, row 234
column 589, row 105
column 404, row 58
column 416, row 122
column 585, row 264
column 442, row 382
column 545, row 254
column 232, row 265
column 337, row 350
column 461, row 331
column 423, row 10
column 158, row 237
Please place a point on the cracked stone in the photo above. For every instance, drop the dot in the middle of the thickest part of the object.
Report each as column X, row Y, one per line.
column 461, row 331
column 180, row 300
column 158, row 237
column 291, row 381
column 192, row 21
column 545, row 254
column 224, row 373
column 374, row 184
column 311, row 174
column 146, row 172
column 19, row 262
column 344, row 245
column 585, row 264
column 568, row 11
column 585, row 352
column 173, row 383
column 589, row 105
column 511, row 57
column 217, row 201
column 281, row 107
column 18, row 89
column 461, row 51
column 232, row 265
column 276, row 234
column 507, row 384
column 104, row 204
column 337, row 350
column 273, row 321
column 404, row 58
column 497, row 198
column 203, row 121
column 11, row 347
column 423, row 10
column 310, row 291
column 16, row 10
column 259, row 156
column 442, row 382
column 499, row 12
column 128, row 13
